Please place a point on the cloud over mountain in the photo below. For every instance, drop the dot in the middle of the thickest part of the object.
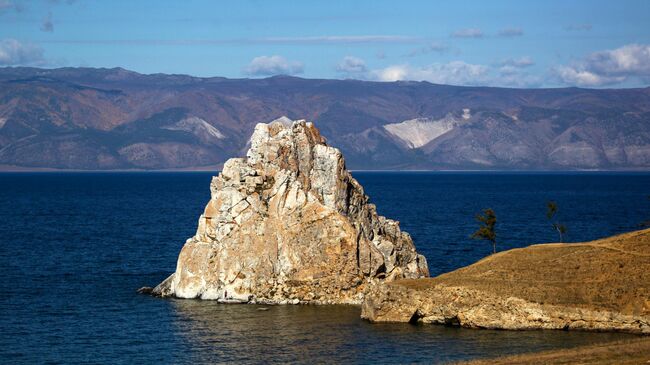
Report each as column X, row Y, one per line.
column 608, row 67
column 454, row 73
column 273, row 65
column 14, row 52
column 351, row 65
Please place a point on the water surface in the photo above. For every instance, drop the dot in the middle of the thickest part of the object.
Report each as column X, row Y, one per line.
column 74, row 247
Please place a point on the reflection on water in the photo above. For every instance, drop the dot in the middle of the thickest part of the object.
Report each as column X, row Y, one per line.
column 315, row 334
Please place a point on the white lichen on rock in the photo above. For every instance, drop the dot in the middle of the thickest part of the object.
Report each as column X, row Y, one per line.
column 289, row 224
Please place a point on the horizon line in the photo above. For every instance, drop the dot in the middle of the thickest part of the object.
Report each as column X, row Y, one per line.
column 314, row 78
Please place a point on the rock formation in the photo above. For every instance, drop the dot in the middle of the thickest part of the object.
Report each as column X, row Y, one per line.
column 601, row 285
column 289, row 224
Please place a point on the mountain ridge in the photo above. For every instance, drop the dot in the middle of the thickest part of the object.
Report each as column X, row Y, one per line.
column 106, row 119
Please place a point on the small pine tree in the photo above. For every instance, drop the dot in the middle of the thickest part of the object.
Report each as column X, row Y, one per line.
column 551, row 211
column 488, row 221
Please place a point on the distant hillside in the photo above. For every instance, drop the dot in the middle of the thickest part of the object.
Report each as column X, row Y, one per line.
column 82, row 118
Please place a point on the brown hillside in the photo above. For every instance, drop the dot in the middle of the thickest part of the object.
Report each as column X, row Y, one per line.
column 611, row 273
column 602, row 285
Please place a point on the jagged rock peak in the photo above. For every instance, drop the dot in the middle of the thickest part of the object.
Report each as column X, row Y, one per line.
column 289, row 224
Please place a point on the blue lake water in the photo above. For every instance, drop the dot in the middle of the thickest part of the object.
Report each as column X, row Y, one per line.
column 74, row 247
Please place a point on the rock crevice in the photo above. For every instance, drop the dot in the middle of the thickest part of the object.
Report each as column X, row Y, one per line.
column 289, row 224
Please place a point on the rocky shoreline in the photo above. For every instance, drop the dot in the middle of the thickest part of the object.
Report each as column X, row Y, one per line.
column 602, row 285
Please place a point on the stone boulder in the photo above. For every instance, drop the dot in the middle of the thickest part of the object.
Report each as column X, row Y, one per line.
column 289, row 224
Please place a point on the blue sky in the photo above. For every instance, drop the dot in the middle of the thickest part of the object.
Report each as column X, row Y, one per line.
column 494, row 43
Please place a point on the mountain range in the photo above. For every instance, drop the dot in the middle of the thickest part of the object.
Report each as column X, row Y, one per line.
column 103, row 119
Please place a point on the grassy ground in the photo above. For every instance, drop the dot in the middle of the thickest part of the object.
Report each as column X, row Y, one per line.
column 635, row 351
column 607, row 274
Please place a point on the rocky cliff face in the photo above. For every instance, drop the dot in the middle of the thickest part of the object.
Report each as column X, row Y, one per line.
column 289, row 223
column 467, row 307
column 602, row 285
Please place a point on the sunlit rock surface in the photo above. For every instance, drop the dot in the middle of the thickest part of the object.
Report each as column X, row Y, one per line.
column 289, row 224
column 416, row 133
column 602, row 285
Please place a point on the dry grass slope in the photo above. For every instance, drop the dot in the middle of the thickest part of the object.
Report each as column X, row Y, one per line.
column 629, row 352
column 608, row 274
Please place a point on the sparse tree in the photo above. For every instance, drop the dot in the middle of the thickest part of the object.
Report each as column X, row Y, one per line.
column 551, row 212
column 488, row 221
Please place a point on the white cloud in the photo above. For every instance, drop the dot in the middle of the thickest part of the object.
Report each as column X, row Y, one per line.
column 273, row 65
column 630, row 62
column 15, row 53
column 511, row 32
column 580, row 77
column 631, row 59
column 508, row 70
column 47, row 25
column 454, row 73
column 392, row 73
column 468, row 33
column 432, row 47
column 458, row 73
column 351, row 65
column 515, row 76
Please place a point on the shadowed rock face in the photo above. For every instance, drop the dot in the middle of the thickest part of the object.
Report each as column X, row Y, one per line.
column 602, row 285
column 288, row 223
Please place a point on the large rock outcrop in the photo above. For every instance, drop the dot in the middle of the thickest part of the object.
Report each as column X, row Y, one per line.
column 602, row 285
column 289, row 224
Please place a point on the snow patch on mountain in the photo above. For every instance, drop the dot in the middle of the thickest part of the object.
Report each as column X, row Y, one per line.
column 415, row 133
column 197, row 126
column 2, row 122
